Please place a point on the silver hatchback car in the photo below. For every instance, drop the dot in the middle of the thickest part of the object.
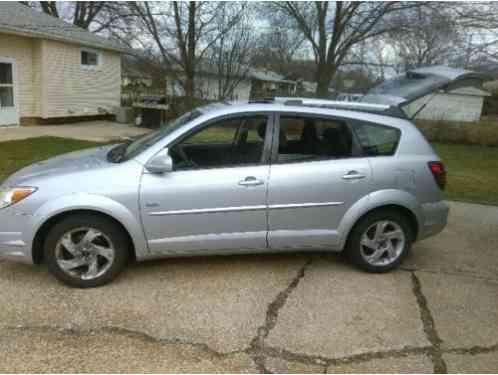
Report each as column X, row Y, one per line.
column 276, row 175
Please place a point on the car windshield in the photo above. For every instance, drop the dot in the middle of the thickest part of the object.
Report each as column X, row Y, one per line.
column 127, row 151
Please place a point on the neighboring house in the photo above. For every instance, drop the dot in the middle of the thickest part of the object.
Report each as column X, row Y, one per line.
column 207, row 86
column 135, row 83
column 308, row 89
column 460, row 105
column 208, row 81
column 132, row 76
column 52, row 71
column 255, row 83
column 266, row 83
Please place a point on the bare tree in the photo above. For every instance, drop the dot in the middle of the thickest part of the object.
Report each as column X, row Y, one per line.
column 332, row 29
column 229, row 57
column 183, row 32
column 95, row 16
column 424, row 36
column 461, row 34
column 279, row 43
column 50, row 7
column 478, row 23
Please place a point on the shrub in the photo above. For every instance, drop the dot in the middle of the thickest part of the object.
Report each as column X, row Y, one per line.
column 484, row 132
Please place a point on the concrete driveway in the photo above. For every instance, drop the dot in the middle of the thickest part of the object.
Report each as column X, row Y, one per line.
column 279, row 313
column 97, row 131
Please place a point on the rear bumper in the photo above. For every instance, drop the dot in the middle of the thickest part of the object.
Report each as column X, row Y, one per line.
column 434, row 219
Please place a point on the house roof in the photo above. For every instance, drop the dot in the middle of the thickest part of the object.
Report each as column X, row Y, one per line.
column 19, row 19
column 268, row 75
column 207, row 68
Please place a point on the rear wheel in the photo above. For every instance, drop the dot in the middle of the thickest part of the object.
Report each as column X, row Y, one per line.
column 380, row 241
column 86, row 251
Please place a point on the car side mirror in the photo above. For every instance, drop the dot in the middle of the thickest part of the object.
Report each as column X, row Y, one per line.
column 160, row 163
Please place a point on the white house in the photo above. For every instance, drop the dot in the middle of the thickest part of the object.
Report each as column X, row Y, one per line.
column 257, row 83
column 460, row 105
column 52, row 71
column 266, row 83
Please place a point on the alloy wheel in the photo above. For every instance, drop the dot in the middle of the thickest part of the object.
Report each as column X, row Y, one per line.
column 85, row 253
column 382, row 243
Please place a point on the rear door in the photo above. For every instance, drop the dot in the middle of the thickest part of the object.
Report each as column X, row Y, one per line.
column 317, row 173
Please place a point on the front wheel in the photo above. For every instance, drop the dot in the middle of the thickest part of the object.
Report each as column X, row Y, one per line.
column 380, row 241
column 86, row 251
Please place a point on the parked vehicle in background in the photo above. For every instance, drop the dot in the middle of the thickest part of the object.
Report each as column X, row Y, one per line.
column 277, row 175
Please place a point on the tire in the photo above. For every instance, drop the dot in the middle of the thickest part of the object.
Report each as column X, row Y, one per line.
column 384, row 250
column 86, row 251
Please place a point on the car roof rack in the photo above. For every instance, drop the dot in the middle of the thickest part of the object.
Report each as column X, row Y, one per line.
column 379, row 109
column 262, row 101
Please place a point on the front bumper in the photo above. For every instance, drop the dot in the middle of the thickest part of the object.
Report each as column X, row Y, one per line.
column 435, row 218
column 15, row 235
column 12, row 247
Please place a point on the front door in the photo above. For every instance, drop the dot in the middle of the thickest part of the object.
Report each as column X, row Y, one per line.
column 8, row 110
column 214, row 200
column 316, row 176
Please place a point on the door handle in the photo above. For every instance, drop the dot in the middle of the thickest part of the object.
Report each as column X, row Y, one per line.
column 250, row 181
column 353, row 175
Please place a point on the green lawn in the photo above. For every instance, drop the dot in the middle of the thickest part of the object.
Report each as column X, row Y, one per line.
column 472, row 170
column 15, row 155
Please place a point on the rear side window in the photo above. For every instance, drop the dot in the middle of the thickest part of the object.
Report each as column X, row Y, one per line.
column 310, row 138
column 377, row 140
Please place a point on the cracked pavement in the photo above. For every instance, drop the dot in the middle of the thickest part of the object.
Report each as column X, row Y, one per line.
column 305, row 312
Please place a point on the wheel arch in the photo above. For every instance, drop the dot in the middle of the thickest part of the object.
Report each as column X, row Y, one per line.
column 39, row 239
column 398, row 200
column 54, row 211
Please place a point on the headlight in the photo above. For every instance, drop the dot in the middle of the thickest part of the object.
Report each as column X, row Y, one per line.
column 13, row 195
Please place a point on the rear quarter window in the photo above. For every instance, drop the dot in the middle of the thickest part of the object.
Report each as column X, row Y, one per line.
column 377, row 140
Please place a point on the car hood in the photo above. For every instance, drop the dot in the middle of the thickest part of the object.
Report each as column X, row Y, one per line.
column 413, row 84
column 85, row 160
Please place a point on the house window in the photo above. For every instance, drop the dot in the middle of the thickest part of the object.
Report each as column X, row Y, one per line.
column 90, row 58
column 6, row 86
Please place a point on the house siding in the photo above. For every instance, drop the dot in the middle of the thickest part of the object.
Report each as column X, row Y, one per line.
column 72, row 90
column 206, row 87
column 37, row 84
column 21, row 50
column 51, row 83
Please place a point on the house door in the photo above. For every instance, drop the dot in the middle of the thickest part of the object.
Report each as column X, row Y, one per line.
column 8, row 110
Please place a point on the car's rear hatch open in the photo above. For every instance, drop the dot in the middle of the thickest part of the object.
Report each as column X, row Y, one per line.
column 414, row 84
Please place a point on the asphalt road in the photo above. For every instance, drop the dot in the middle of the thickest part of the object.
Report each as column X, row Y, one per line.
column 275, row 313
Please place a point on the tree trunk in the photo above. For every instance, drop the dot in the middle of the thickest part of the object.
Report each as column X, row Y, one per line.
column 189, row 90
column 324, row 76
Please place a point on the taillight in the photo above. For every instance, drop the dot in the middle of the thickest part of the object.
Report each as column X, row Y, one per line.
column 439, row 173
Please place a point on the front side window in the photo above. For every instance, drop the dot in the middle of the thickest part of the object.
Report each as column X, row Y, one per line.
column 377, row 140
column 89, row 58
column 309, row 138
column 224, row 143
column 144, row 142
